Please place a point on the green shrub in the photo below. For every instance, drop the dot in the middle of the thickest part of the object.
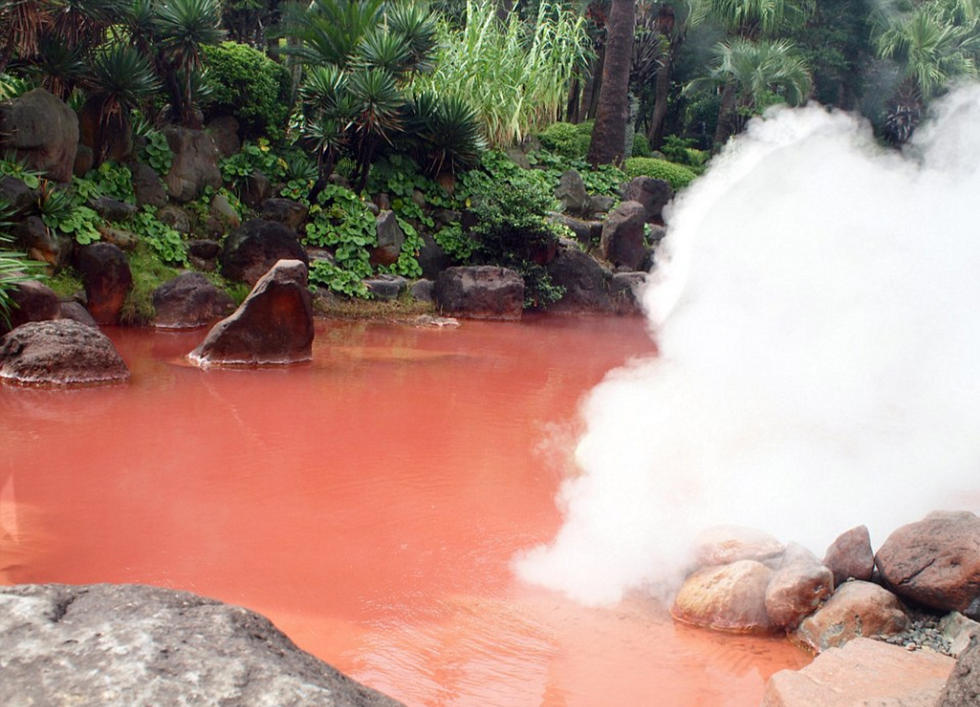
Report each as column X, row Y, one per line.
column 249, row 85
column 149, row 272
column 641, row 146
column 682, row 151
column 677, row 175
column 567, row 139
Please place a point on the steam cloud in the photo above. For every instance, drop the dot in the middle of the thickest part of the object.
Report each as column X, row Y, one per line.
column 817, row 309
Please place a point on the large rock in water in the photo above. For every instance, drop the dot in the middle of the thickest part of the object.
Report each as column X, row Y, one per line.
column 864, row 672
column 42, row 131
column 60, row 352
column 727, row 598
column 251, row 250
column 856, row 609
column 195, row 163
column 189, row 300
column 480, row 292
column 935, row 562
column 107, row 278
column 121, row 645
column 274, row 325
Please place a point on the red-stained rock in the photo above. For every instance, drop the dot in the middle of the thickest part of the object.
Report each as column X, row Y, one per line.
column 251, row 250
column 864, row 672
column 963, row 686
column 724, row 544
column 107, row 278
column 274, row 325
column 850, row 556
column 796, row 590
column 33, row 302
column 856, row 609
column 935, row 562
column 60, row 352
column 726, row 598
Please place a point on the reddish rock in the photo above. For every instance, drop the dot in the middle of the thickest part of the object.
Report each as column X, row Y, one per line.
column 727, row 598
column 74, row 310
column 963, row 686
column 796, row 590
column 60, row 352
column 33, row 302
column 850, row 556
column 654, row 194
column 189, row 300
column 107, row 279
column 274, row 325
column 250, row 251
column 935, row 562
column 724, row 544
column 480, row 292
column 856, row 609
column 864, row 672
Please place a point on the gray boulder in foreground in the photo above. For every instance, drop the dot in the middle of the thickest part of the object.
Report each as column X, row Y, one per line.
column 107, row 644
column 60, row 352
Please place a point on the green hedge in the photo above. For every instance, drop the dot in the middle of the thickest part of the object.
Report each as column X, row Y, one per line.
column 568, row 139
column 249, row 85
column 677, row 175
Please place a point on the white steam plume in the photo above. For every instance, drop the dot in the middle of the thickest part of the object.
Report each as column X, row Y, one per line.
column 817, row 309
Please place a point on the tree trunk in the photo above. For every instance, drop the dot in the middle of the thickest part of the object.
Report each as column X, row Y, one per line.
column 661, row 92
column 726, row 115
column 609, row 135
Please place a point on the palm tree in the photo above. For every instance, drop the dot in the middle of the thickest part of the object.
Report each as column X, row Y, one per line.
column 754, row 74
column 937, row 43
column 609, row 134
column 22, row 22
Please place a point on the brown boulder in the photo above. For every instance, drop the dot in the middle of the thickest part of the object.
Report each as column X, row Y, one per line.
column 274, row 325
column 195, row 163
column 480, row 292
column 850, row 556
column 42, row 131
column 796, row 590
column 864, row 672
column 654, row 194
column 251, row 250
column 856, row 609
column 935, row 562
column 33, row 302
column 60, row 352
column 727, row 598
column 105, row 273
column 286, row 211
column 189, row 300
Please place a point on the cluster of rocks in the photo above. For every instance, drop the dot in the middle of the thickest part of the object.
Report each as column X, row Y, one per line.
column 600, row 268
column 127, row 644
column 747, row 581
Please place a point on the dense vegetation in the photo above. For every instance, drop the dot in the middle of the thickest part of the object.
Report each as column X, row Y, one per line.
column 340, row 101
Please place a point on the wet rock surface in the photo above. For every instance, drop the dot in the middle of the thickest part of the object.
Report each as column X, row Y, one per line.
column 42, row 131
column 622, row 236
column 857, row 609
column 723, row 544
column 33, row 302
column 963, row 686
column 796, row 590
column 127, row 645
column 107, row 278
column 480, row 292
column 189, row 300
column 60, row 352
column 864, row 672
column 274, row 325
column 935, row 562
column 727, row 598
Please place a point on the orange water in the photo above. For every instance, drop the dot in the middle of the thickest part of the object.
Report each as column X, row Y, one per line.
column 369, row 503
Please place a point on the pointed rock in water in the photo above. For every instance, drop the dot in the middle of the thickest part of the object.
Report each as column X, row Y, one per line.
column 727, row 598
column 121, row 645
column 274, row 325
column 850, row 556
column 935, row 562
column 60, row 352
column 864, row 672
column 856, row 609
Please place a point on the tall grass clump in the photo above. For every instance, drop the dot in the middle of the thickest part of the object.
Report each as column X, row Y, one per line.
column 515, row 77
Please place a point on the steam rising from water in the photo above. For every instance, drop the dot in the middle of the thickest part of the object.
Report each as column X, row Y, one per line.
column 817, row 309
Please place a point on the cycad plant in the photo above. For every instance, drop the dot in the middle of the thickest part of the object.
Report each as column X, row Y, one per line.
column 14, row 267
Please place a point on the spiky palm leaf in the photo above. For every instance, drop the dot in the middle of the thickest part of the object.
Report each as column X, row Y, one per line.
column 58, row 66
column 380, row 49
column 758, row 70
column 121, row 78
column 448, row 131
column 417, row 25
column 184, row 25
column 329, row 31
